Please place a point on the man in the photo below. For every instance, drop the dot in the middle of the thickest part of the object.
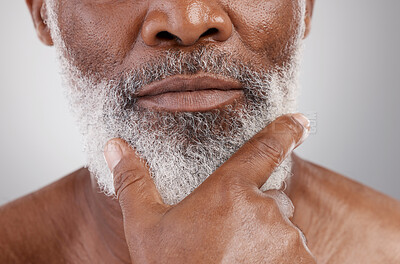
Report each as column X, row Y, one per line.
column 192, row 103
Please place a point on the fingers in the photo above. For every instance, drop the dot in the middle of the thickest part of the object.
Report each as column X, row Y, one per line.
column 257, row 159
column 286, row 208
column 134, row 187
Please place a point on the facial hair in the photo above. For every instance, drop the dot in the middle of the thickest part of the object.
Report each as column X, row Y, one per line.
column 181, row 149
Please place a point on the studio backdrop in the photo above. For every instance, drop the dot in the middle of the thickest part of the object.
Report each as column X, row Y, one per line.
column 349, row 89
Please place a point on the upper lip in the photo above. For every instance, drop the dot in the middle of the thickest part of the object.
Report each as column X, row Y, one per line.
column 187, row 83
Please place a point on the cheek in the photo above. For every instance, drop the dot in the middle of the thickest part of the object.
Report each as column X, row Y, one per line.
column 98, row 36
column 268, row 27
column 101, row 34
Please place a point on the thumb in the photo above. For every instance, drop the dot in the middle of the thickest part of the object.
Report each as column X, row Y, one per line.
column 134, row 187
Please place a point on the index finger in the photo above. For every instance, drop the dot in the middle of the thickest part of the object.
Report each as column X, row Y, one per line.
column 255, row 161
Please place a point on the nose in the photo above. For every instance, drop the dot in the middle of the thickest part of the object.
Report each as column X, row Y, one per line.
column 185, row 22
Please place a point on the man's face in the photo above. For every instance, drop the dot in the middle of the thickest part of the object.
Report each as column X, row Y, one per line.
column 111, row 51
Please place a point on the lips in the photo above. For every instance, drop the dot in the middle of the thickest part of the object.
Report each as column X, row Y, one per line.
column 182, row 93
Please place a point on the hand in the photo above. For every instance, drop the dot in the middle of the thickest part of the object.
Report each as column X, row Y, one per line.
column 227, row 219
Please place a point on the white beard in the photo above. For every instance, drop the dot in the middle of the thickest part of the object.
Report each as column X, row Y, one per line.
column 181, row 149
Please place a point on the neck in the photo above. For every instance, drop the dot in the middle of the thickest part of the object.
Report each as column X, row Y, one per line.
column 108, row 222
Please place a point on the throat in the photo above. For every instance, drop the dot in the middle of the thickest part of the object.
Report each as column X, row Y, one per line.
column 102, row 227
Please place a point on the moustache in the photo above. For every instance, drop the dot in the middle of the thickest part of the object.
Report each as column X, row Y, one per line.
column 204, row 59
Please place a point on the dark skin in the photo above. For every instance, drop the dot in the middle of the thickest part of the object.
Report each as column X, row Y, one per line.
column 71, row 222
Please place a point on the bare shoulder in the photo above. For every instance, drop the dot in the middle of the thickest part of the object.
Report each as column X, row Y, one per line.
column 348, row 220
column 355, row 195
column 37, row 223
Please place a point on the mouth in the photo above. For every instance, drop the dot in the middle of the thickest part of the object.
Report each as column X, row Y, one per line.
column 187, row 93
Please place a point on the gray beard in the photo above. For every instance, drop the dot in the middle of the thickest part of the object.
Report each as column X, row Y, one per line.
column 181, row 149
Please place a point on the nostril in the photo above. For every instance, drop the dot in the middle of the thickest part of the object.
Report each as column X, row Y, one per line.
column 189, row 38
column 165, row 35
column 209, row 32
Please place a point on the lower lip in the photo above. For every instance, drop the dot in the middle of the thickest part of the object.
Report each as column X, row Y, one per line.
column 191, row 101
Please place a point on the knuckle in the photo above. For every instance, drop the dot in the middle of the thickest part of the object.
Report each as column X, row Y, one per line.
column 269, row 148
column 124, row 175
column 272, row 206
column 293, row 236
column 264, row 209
column 296, row 237
column 283, row 202
column 304, row 254
column 268, row 207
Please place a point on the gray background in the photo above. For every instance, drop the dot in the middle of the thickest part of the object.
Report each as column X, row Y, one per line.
column 349, row 83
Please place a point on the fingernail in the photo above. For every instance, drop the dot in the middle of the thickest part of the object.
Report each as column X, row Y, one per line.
column 306, row 124
column 302, row 120
column 112, row 154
